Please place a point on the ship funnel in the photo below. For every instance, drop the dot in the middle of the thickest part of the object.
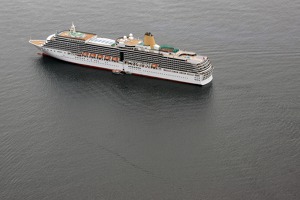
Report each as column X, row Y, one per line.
column 149, row 40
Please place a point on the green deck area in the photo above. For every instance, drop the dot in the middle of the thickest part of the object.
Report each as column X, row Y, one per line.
column 168, row 48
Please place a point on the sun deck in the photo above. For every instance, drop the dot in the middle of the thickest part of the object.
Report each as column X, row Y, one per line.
column 133, row 42
column 77, row 35
column 185, row 55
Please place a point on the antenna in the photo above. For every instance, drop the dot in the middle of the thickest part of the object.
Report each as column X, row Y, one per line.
column 73, row 29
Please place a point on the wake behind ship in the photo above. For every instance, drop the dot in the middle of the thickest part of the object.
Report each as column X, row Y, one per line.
column 127, row 55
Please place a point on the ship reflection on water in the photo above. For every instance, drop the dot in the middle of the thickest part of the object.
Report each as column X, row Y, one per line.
column 135, row 96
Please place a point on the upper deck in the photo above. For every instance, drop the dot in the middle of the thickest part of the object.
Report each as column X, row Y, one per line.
column 186, row 55
column 77, row 35
column 129, row 42
column 165, row 50
column 101, row 41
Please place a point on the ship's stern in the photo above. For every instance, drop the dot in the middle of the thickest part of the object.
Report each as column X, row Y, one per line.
column 205, row 69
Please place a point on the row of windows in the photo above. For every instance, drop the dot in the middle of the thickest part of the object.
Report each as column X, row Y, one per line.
column 204, row 67
column 172, row 75
column 175, row 64
column 139, row 68
column 174, row 67
column 173, row 71
column 169, row 63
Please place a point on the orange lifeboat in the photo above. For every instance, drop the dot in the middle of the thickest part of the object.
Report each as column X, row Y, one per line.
column 154, row 65
column 93, row 55
column 85, row 53
column 100, row 56
column 107, row 57
column 115, row 59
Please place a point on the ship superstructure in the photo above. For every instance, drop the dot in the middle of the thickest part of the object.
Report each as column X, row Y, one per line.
column 127, row 55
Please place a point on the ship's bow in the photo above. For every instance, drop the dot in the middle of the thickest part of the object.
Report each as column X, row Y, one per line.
column 37, row 43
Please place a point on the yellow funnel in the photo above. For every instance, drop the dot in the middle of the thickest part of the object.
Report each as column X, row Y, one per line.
column 149, row 40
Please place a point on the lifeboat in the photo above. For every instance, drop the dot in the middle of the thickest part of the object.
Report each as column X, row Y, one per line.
column 93, row 55
column 154, row 65
column 115, row 59
column 107, row 57
column 100, row 56
column 85, row 53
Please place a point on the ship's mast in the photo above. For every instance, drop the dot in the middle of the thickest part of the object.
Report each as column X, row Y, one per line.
column 73, row 28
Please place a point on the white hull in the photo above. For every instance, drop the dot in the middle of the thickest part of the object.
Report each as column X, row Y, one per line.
column 160, row 73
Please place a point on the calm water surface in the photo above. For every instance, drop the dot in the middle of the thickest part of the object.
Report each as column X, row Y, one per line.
column 69, row 132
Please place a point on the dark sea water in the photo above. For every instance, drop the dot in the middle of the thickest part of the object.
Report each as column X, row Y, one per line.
column 69, row 132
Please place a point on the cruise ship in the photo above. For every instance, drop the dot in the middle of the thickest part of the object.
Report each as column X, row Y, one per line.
column 127, row 55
